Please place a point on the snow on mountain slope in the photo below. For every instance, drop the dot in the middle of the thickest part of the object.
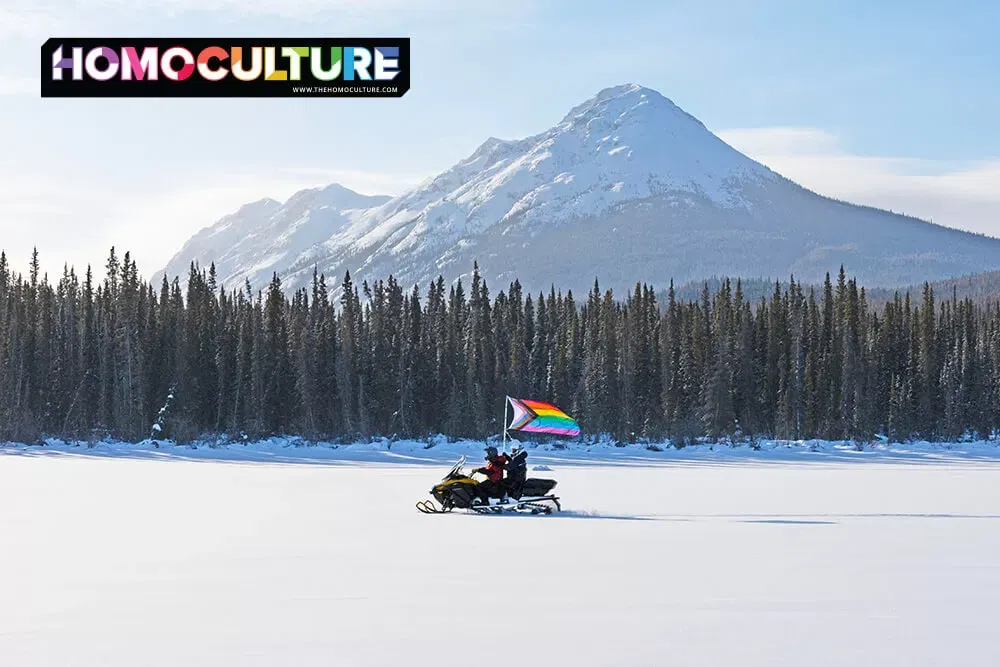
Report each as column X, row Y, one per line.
column 267, row 236
column 626, row 143
column 627, row 187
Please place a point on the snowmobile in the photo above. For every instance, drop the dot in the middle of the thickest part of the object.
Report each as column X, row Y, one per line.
column 456, row 490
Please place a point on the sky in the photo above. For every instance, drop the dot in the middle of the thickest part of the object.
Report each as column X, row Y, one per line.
column 891, row 104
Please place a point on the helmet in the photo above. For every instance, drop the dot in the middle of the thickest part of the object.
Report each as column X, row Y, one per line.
column 491, row 452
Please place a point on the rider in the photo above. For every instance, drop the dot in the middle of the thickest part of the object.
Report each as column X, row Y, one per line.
column 493, row 486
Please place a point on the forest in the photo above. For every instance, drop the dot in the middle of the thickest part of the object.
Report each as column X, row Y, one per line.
column 125, row 359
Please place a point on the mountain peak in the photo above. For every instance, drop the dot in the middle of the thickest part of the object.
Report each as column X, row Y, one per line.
column 259, row 206
column 633, row 90
column 334, row 196
column 629, row 100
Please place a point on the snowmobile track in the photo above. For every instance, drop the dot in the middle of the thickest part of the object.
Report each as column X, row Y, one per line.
column 540, row 505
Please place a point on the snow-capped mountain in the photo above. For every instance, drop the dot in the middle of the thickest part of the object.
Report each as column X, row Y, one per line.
column 626, row 188
column 266, row 236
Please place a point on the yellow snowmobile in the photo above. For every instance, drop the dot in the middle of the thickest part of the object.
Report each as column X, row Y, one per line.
column 456, row 490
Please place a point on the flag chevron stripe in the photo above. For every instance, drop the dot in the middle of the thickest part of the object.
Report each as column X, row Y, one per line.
column 520, row 423
column 522, row 415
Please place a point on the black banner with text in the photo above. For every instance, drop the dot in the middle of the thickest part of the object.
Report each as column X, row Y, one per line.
column 292, row 67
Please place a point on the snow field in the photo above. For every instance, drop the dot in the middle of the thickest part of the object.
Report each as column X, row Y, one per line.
column 115, row 561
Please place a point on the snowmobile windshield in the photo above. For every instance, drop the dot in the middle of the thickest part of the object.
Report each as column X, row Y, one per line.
column 457, row 468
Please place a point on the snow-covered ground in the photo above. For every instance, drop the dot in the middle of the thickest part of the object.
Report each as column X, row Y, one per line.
column 122, row 555
column 441, row 449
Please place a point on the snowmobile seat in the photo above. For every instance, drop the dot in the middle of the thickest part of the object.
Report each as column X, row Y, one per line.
column 537, row 487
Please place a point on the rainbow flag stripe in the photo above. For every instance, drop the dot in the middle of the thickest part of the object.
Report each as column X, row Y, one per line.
column 539, row 417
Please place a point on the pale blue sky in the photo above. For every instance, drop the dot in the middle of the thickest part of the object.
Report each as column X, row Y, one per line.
column 891, row 103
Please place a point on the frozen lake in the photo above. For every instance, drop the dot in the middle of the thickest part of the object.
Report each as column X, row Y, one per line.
column 137, row 561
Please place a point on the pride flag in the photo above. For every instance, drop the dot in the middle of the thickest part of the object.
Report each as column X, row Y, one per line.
column 538, row 417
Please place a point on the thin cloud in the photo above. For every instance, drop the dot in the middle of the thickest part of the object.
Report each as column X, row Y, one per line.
column 964, row 195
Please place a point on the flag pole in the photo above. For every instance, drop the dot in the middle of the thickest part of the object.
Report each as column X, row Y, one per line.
column 506, row 402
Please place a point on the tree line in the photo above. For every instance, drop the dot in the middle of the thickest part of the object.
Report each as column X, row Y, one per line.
column 122, row 358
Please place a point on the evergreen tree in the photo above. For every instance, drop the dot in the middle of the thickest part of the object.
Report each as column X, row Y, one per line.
column 81, row 358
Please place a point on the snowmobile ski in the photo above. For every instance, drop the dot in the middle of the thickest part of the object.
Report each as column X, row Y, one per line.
column 428, row 507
